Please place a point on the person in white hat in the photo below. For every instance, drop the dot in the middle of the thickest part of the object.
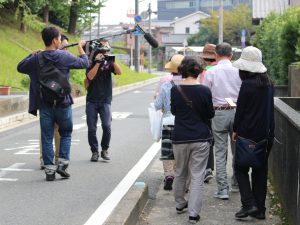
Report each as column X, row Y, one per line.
column 254, row 121
column 162, row 102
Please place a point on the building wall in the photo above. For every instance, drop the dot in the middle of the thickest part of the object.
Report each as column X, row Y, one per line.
column 180, row 26
column 295, row 3
column 170, row 9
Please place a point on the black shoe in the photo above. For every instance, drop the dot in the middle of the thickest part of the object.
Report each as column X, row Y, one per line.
column 104, row 155
column 168, row 183
column 244, row 212
column 95, row 157
column 50, row 176
column 194, row 219
column 62, row 170
column 258, row 215
column 182, row 210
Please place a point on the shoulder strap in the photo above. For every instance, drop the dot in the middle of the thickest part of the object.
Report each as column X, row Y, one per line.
column 186, row 99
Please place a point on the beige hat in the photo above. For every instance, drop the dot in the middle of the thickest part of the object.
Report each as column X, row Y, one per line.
column 250, row 60
column 209, row 52
column 174, row 62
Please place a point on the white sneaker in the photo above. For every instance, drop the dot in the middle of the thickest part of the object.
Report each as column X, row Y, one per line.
column 222, row 194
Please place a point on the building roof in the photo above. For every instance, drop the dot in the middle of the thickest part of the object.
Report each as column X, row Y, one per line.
column 261, row 9
column 190, row 15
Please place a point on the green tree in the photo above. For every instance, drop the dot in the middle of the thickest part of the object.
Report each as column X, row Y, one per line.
column 233, row 22
column 279, row 39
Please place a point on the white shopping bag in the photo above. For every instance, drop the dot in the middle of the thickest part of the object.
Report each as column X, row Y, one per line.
column 155, row 118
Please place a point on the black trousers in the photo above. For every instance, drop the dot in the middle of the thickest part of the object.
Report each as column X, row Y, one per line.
column 211, row 159
column 253, row 194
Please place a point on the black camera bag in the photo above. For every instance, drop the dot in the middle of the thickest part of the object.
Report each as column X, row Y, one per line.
column 54, row 85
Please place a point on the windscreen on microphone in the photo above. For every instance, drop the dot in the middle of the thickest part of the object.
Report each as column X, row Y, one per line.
column 151, row 40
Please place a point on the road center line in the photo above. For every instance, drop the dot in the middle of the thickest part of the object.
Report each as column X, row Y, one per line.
column 108, row 205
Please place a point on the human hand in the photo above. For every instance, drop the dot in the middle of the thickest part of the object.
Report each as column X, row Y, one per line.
column 234, row 136
column 81, row 43
column 36, row 52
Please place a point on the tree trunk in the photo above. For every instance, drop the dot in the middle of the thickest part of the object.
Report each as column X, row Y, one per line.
column 73, row 17
column 23, row 27
column 46, row 14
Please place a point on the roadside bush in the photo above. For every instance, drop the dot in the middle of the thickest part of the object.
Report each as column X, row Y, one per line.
column 279, row 39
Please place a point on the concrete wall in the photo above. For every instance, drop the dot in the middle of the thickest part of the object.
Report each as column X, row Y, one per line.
column 284, row 161
column 280, row 90
column 12, row 104
column 294, row 81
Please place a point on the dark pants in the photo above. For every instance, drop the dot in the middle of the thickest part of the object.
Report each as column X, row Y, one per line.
column 92, row 111
column 211, row 159
column 48, row 117
column 255, row 196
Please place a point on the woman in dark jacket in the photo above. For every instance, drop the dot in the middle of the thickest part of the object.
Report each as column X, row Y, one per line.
column 191, row 136
column 254, row 120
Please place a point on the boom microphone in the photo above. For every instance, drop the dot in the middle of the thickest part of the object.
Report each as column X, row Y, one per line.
column 150, row 39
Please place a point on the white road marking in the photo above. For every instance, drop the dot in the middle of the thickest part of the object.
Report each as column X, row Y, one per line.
column 120, row 115
column 108, row 205
column 115, row 116
column 78, row 126
column 136, row 92
column 13, row 168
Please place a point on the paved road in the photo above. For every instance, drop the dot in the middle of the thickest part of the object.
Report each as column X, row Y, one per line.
column 26, row 198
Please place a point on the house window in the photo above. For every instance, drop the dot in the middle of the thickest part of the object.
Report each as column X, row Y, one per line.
column 187, row 30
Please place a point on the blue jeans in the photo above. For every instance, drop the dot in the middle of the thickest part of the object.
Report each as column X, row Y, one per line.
column 92, row 111
column 63, row 117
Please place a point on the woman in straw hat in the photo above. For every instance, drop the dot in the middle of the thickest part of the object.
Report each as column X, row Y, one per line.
column 254, row 122
column 162, row 102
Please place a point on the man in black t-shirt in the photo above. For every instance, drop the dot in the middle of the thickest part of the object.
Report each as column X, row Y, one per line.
column 98, row 101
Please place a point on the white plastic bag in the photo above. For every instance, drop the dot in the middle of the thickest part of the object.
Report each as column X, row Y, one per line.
column 155, row 118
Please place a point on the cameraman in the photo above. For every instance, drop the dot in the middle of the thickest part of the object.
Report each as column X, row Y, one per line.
column 98, row 100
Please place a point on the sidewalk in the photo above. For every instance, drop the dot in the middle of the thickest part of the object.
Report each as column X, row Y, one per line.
column 161, row 210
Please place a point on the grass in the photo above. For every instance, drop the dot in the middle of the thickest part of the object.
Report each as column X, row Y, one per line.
column 275, row 205
column 16, row 45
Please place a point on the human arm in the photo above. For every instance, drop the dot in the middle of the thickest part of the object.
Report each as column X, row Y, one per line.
column 27, row 64
column 117, row 68
column 173, row 107
column 241, row 104
column 74, row 62
column 93, row 72
column 158, row 103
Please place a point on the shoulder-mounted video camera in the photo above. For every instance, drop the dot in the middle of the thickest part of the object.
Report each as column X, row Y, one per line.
column 95, row 47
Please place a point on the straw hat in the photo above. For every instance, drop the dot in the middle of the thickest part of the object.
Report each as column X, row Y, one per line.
column 174, row 62
column 209, row 52
column 250, row 60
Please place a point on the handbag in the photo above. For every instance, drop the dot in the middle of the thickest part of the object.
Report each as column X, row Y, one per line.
column 155, row 117
column 249, row 153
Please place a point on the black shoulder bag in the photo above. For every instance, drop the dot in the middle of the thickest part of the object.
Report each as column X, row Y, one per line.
column 249, row 153
column 54, row 85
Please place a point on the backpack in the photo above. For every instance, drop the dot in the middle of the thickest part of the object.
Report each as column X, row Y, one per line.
column 54, row 85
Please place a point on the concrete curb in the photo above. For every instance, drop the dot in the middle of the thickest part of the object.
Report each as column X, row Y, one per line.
column 130, row 207
column 9, row 122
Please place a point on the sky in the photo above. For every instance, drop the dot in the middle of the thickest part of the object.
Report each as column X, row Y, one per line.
column 116, row 10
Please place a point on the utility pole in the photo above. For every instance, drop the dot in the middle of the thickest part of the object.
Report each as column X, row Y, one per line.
column 150, row 48
column 221, row 22
column 137, row 42
column 98, row 30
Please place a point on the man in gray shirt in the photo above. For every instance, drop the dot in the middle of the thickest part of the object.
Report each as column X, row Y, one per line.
column 224, row 82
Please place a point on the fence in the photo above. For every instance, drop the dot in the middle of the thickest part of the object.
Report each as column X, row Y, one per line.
column 284, row 162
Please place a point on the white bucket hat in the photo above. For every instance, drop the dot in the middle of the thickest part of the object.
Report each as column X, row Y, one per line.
column 250, row 60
